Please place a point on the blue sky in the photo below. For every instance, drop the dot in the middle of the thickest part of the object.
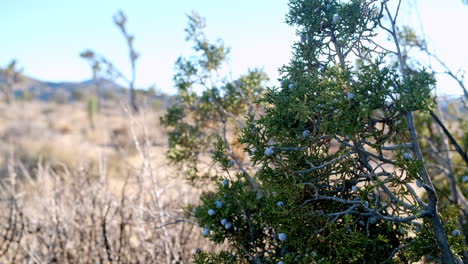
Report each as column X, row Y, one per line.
column 47, row 36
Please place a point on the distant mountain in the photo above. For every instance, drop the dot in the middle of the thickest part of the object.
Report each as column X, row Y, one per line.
column 45, row 90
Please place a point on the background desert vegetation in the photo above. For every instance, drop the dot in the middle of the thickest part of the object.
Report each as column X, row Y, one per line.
column 74, row 194
column 83, row 171
column 103, row 172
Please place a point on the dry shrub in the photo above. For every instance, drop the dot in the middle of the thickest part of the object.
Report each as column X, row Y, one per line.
column 70, row 217
column 74, row 199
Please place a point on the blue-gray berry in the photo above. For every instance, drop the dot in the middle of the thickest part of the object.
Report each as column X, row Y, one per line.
column 407, row 156
column 269, row 151
column 335, row 18
column 282, row 236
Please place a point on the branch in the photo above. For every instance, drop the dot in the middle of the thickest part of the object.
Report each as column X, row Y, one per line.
column 289, row 148
column 450, row 137
column 176, row 221
column 447, row 70
column 421, row 214
column 396, row 250
column 381, row 157
column 403, row 145
column 314, row 168
column 439, row 232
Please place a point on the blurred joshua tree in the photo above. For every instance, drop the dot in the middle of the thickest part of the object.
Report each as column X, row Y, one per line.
column 211, row 106
column 12, row 76
column 120, row 20
column 94, row 101
column 99, row 63
column 96, row 68
column 339, row 174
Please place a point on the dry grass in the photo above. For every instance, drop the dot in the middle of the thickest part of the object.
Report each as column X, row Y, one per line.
column 71, row 194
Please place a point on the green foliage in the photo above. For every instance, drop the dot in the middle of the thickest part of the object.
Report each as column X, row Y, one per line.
column 417, row 92
column 332, row 171
column 425, row 245
column 210, row 106
column 210, row 258
column 254, row 218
